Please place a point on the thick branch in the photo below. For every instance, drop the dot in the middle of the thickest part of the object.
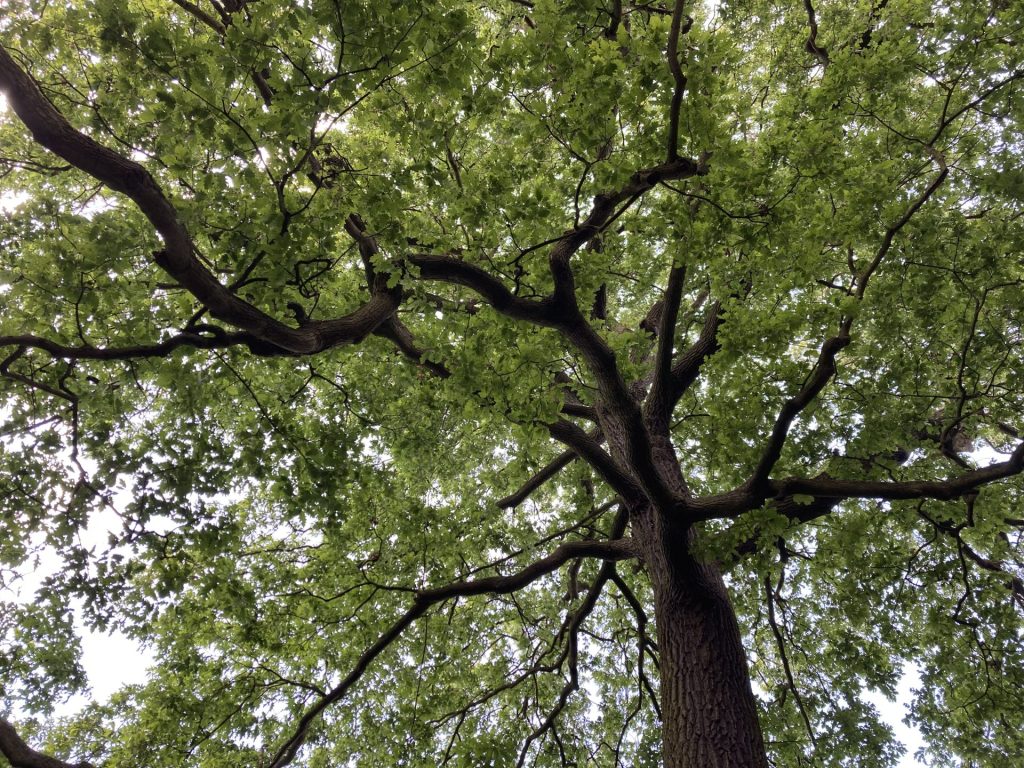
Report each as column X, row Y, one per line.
column 677, row 30
column 447, row 269
column 616, row 19
column 687, row 368
column 589, row 449
column 51, row 130
column 21, row 755
column 572, row 405
column 811, row 45
column 198, row 13
column 560, row 310
column 395, row 331
column 826, row 492
column 795, row 512
column 213, row 340
column 600, row 357
column 619, row 410
column 952, row 488
column 579, row 410
column 392, row 329
column 658, row 402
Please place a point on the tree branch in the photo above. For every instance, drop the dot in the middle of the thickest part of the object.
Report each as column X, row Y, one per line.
column 687, row 368
column 216, row 340
column 773, row 595
column 676, row 30
column 833, row 488
column 560, row 310
column 825, row 367
column 825, row 493
column 579, row 410
column 811, row 46
column 395, row 331
column 198, row 13
column 392, row 329
column 447, row 269
column 51, row 130
column 552, row 312
column 821, row 374
column 21, row 755
column 902, row 221
column 609, row 550
column 545, row 473
column 602, row 212
column 589, row 449
column 658, row 401
column 258, row 78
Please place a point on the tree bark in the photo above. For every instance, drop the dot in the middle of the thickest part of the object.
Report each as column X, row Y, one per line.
column 707, row 705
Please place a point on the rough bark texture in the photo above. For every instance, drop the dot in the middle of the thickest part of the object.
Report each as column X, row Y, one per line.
column 710, row 719
column 708, row 708
column 709, row 715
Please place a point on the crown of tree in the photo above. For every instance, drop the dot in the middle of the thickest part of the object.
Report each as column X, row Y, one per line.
column 513, row 383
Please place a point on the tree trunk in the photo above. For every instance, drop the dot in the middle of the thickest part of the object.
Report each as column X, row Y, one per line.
column 709, row 716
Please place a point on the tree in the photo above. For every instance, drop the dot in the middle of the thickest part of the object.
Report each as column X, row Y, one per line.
column 506, row 382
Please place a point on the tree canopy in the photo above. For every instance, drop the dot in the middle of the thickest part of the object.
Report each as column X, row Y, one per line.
column 513, row 382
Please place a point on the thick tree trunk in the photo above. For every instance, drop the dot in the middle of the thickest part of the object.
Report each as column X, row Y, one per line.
column 709, row 716
column 708, row 708
column 710, row 720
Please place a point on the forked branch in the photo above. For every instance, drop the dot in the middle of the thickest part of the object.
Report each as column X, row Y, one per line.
column 51, row 130
column 620, row 549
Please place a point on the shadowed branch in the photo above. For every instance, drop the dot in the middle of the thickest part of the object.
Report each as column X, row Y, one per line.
column 21, row 755
column 51, row 130
column 606, row 550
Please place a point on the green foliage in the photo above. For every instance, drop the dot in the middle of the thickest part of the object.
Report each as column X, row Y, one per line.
column 270, row 517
